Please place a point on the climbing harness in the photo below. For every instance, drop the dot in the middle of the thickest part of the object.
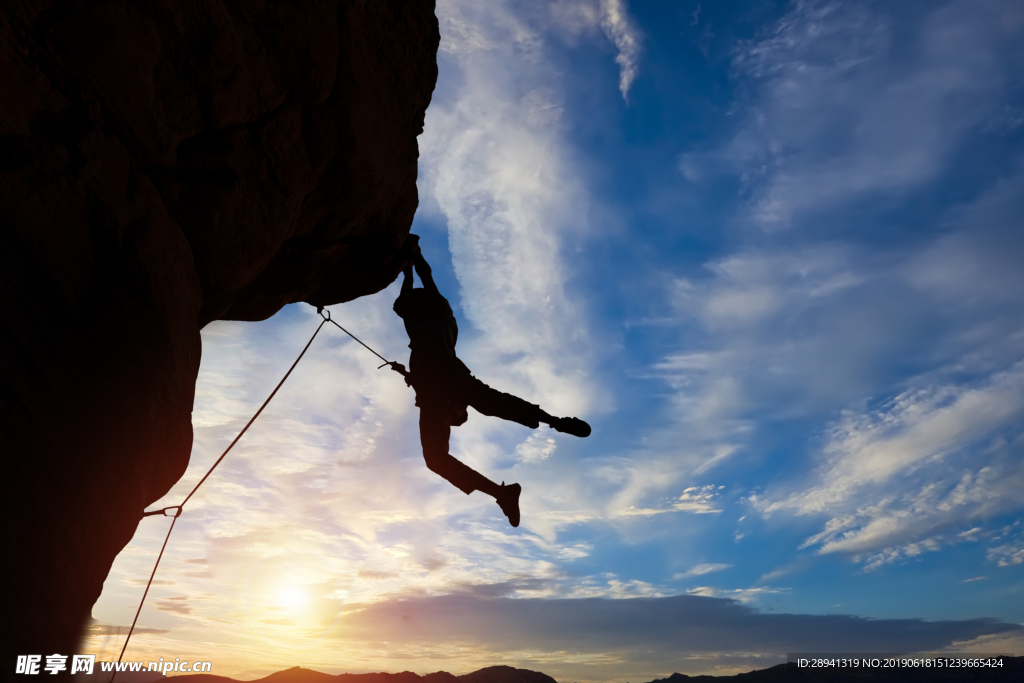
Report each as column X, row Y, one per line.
column 174, row 511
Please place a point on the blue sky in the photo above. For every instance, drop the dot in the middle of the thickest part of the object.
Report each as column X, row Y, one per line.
column 771, row 251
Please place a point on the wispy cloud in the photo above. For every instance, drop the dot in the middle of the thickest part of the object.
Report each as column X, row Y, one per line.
column 612, row 17
column 698, row 499
column 1007, row 547
column 1006, row 555
column 701, row 570
column 622, row 31
column 494, row 164
column 499, row 172
column 914, row 428
column 800, row 327
column 695, row 499
column 834, row 116
column 890, row 470
column 743, row 595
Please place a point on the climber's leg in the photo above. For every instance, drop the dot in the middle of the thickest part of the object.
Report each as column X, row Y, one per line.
column 490, row 401
column 434, row 433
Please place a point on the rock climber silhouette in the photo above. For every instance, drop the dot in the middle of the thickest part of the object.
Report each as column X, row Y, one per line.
column 445, row 388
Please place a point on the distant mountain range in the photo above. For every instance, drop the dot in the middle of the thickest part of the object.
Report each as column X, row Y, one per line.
column 492, row 674
column 1013, row 671
column 789, row 673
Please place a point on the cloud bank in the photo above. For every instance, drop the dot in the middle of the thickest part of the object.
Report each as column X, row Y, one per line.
column 641, row 636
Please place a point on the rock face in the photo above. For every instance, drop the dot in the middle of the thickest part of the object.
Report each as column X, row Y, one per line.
column 162, row 165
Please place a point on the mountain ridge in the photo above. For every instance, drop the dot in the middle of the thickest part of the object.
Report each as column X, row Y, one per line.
column 1014, row 671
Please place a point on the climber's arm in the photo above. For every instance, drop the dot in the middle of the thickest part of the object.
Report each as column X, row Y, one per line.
column 423, row 270
column 400, row 307
column 407, row 282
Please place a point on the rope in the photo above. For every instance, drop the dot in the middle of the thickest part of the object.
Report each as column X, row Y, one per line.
column 179, row 508
column 320, row 310
column 148, row 584
column 253, row 419
column 397, row 367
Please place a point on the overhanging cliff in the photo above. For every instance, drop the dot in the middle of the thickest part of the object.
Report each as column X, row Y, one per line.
column 163, row 165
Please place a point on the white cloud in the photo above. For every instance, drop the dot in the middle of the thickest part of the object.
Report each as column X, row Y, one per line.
column 695, row 499
column 1006, row 555
column 536, row 448
column 973, row 270
column 576, row 17
column 698, row 499
column 798, row 325
column 817, row 327
column 621, row 30
column 998, row 644
column 781, row 333
column 750, row 287
column 834, row 113
column 918, row 427
column 916, row 474
column 496, row 167
column 701, row 570
column 1007, row 545
column 793, row 328
column 743, row 595
column 494, row 163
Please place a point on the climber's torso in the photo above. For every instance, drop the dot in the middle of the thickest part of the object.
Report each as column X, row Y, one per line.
column 433, row 333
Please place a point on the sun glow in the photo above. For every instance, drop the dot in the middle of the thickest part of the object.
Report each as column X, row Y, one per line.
column 294, row 597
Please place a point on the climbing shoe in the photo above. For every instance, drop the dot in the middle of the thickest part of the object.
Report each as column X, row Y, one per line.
column 508, row 501
column 571, row 425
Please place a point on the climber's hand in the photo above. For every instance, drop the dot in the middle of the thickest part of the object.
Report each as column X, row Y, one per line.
column 399, row 368
column 409, row 253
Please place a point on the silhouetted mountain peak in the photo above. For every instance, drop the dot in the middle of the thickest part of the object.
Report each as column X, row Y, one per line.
column 674, row 678
column 297, row 674
column 505, row 674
